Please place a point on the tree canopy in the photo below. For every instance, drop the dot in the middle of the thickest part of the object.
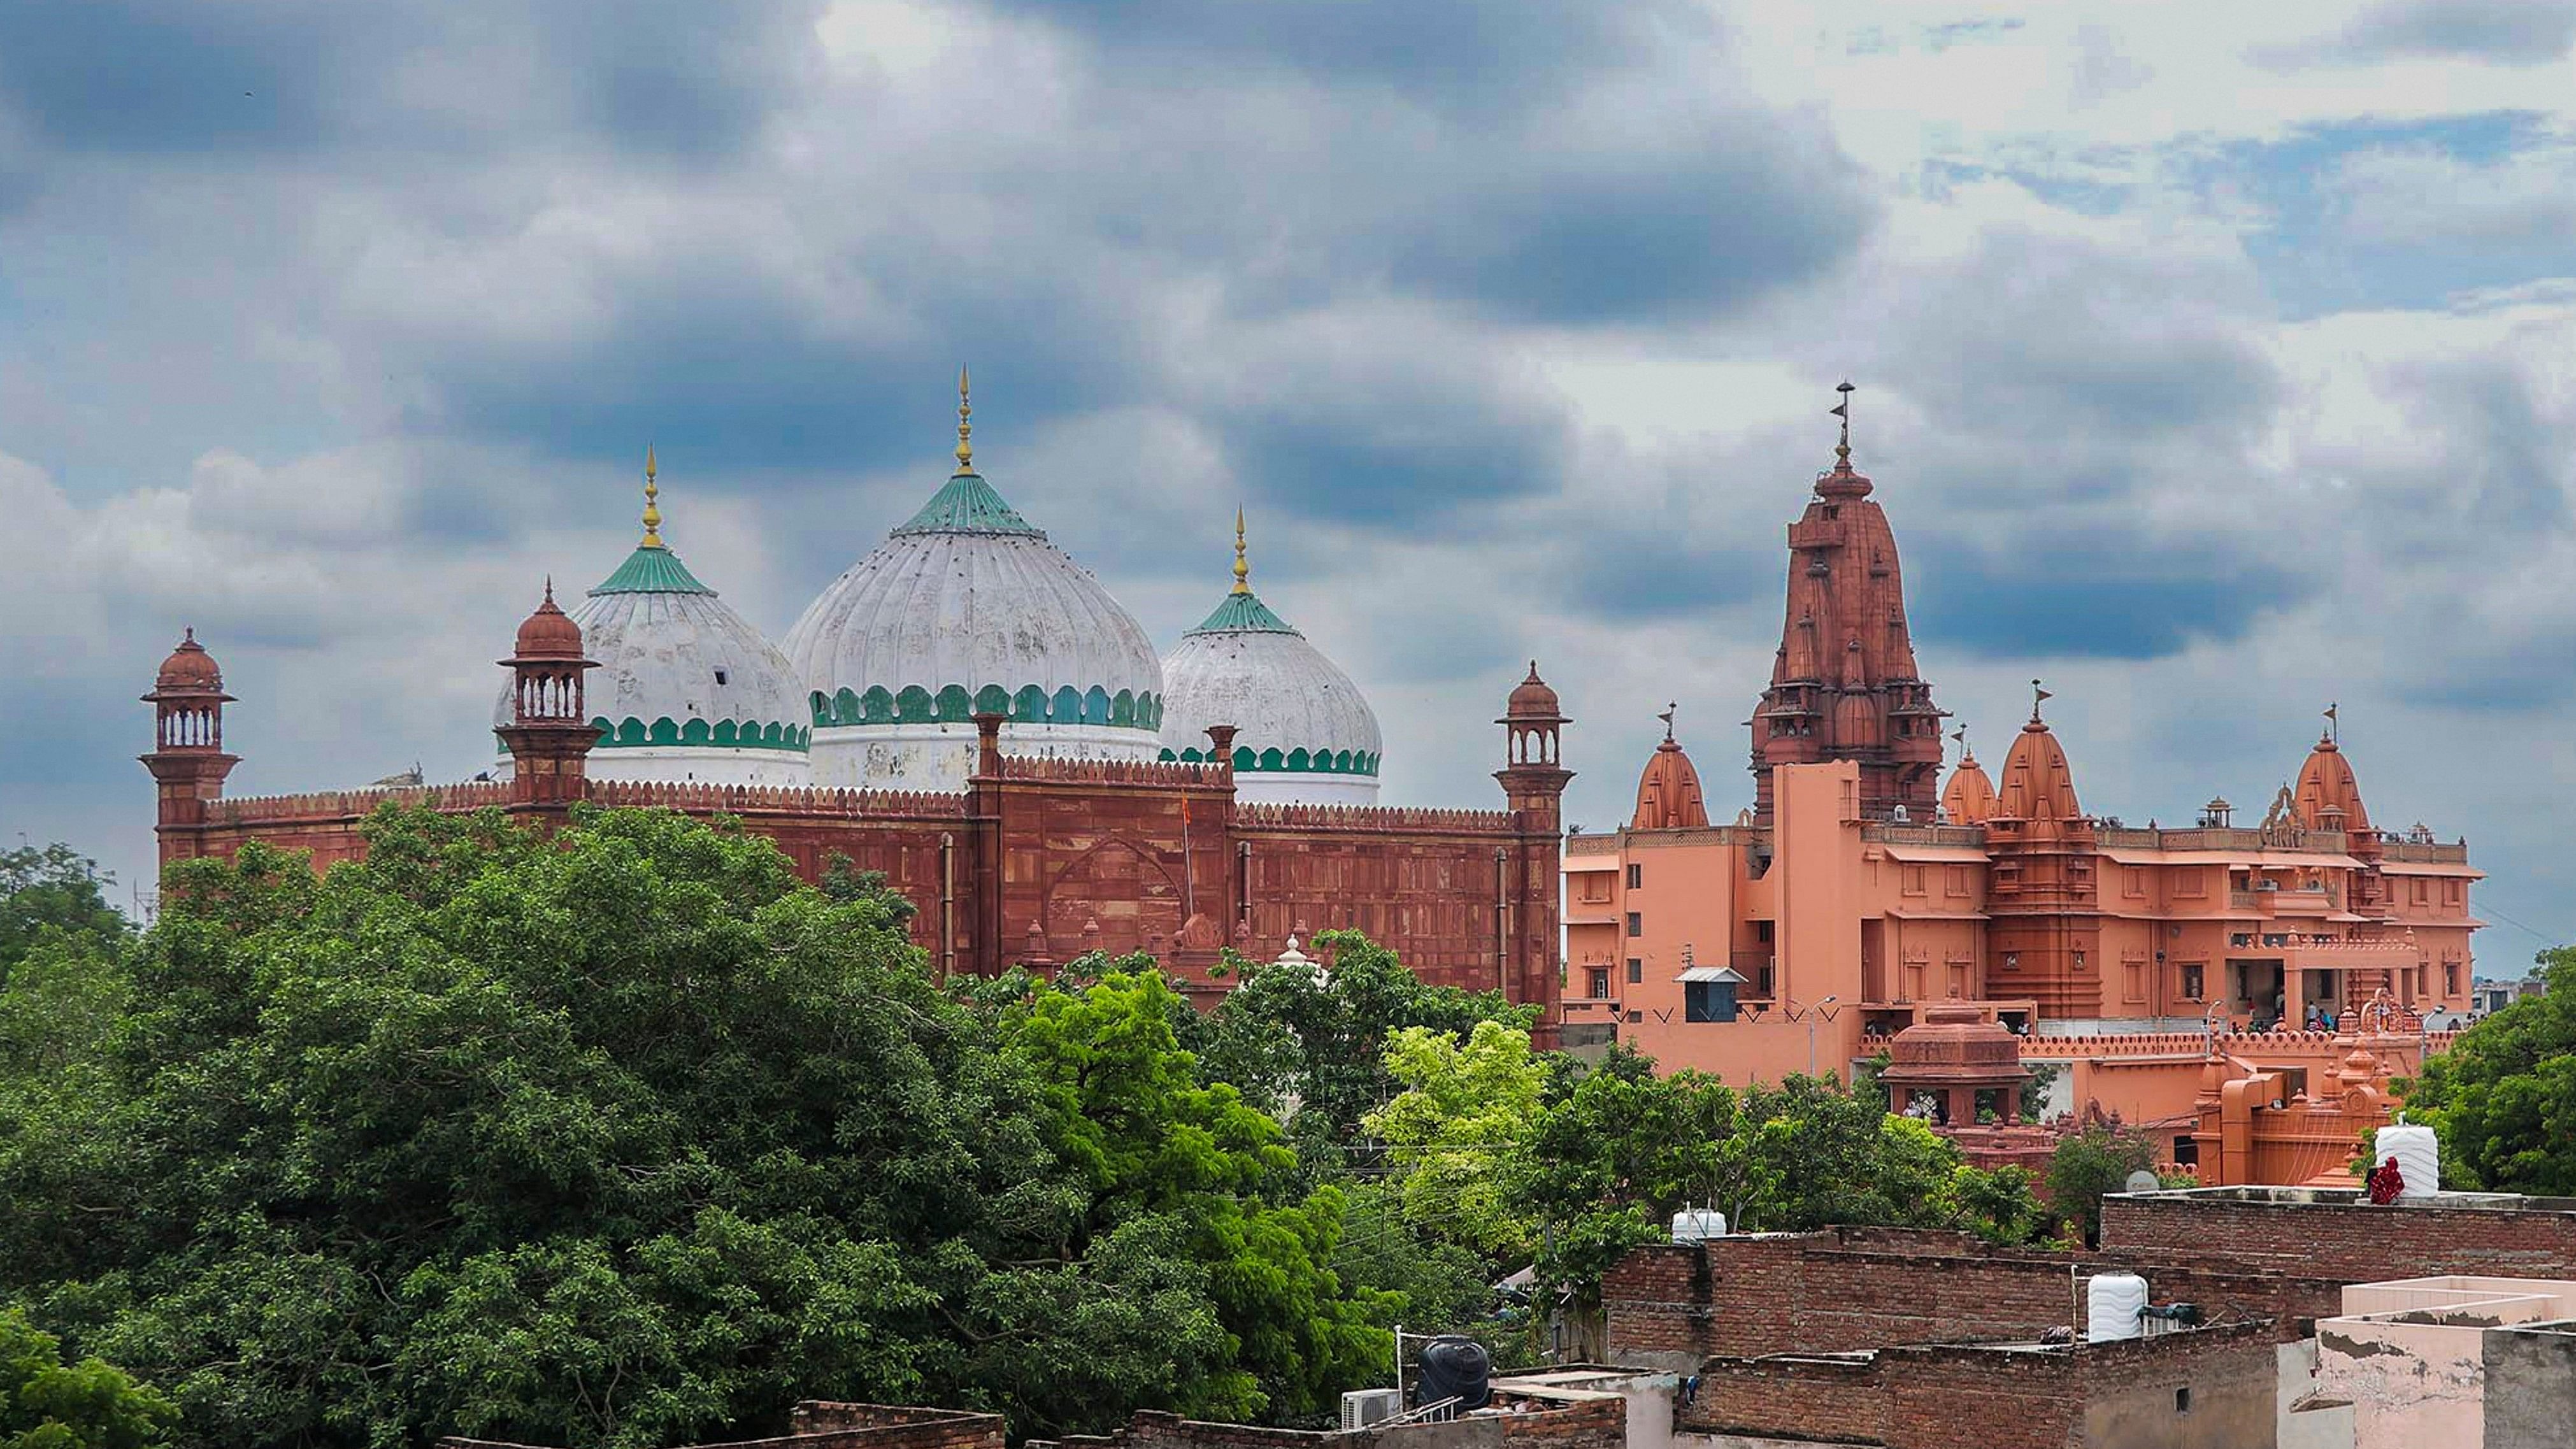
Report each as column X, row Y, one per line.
column 2503, row 1098
column 624, row 1136
column 53, row 889
column 46, row 1403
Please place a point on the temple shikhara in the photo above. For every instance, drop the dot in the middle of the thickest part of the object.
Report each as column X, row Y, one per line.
column 2242, row 986
column 969, row 711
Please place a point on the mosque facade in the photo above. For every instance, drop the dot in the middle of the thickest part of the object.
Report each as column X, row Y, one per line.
column 1858, row 891
column 971, row 712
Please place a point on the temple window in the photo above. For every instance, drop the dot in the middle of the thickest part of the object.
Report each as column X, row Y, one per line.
column 1636, row 876
column 1636, row 970
column 2191, row 977
column 1600, row 983
column 1636, row 924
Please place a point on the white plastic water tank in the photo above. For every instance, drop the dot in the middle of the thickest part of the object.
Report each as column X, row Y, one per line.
column 1698, row 1225
column 2419, row 1158
column 2111, row 1304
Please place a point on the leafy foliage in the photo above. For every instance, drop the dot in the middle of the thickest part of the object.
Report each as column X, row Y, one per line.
column 2090, row 1161
column 2503, row 1098
column 46, row 1403
column 623, row 1136
column 1309, row 1045
column 53, row 889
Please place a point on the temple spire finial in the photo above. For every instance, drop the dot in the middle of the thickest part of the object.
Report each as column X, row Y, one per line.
column 1670, row 710
column 2037, row 694
column 1842, row 410
column 2333, row 728
column 965, row 428
column 1967, row 753
column 1242, row 567
column 652, row 504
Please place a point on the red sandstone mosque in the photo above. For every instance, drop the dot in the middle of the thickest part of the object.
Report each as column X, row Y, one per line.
column 969, row 711
column 2169, row 974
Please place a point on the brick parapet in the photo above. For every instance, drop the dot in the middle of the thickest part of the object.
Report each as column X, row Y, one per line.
column 1268, row 817
column 1934, row 1396
column 1849, row 1289
column 1592, row 1424
column 2334, row 1234
column 817, row 1425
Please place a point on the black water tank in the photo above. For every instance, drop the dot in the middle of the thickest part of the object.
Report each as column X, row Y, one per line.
column 1454, row 1366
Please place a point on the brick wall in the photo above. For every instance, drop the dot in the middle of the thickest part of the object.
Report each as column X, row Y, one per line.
column 816, row 1425
column 2339, row 1238
column 1943, row 1395
column 1857, row 1288
column 1592, row 1424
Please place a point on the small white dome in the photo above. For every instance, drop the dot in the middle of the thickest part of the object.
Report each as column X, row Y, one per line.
column 1303, row 731
column 968, row 608
column 685, row 688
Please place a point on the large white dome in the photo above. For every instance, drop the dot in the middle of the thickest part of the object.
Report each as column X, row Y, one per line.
column 1303, row 730
column 685, row 689
column 968, row 608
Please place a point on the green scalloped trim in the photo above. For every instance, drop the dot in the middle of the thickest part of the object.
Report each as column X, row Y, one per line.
column 955, row 704
column 1244, row 613
column 1288, row 762
column 632, row 733
column 652, row 570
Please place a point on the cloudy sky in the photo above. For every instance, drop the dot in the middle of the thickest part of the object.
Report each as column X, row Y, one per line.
column 2217, row 360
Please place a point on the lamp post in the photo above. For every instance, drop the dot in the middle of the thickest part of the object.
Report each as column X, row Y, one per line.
column 1809, row 1017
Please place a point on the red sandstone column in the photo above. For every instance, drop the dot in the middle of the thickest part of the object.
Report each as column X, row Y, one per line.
column 984, row 809
column 187, row 762
column 1534, row 786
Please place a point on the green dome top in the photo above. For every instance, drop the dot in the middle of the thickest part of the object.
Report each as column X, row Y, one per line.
column 968, row 504
column 1244, row 613
column 652, row 569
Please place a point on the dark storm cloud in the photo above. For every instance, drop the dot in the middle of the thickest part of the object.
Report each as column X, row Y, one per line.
column 319, row 77
column 2507, row 32
column 2094, row 594
column 116, row 76
column 1461, row 53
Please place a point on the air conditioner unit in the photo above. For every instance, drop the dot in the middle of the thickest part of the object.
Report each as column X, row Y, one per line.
column 1363, row 1407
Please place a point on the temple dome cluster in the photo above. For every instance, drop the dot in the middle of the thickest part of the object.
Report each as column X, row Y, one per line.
column 967, row 608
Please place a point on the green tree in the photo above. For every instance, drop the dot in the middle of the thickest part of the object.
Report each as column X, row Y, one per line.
column 1457, row 1132
column 1617, row 1152
column 1309, row 1045
column 1121, row 1102
column 621, row 1136
column 2089, row 1162
column 2503, row 1099
column 46, row 1403
column 53, row 888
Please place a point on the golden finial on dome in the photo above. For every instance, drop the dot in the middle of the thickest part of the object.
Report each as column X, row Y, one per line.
column 965, row 430
column 1242, row 569
column 652, row 508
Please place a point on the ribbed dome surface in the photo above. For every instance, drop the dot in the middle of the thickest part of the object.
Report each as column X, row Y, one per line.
column 1294, row 710
column 677, row 666
column 969, row 604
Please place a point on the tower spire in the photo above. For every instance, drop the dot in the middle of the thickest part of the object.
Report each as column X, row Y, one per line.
column 652, row 507
column 965, row 429
column 1242, row 569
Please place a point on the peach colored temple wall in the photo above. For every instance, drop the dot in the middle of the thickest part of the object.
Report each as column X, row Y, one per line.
column 1892, row 916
